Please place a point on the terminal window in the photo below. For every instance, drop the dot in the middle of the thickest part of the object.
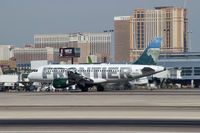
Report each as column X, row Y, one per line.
column 186, row 71
column 196, row 71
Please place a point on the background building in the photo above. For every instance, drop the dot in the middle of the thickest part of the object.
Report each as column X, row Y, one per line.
column 6, row 59
column 8, row 64
column 89, row 43
column 24, row 56
column 170, row 23
column 122, row 38
column 46, row 47
column 6, row 52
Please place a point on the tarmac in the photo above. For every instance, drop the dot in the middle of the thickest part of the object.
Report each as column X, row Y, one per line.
column 101, row 105
column 163, row 109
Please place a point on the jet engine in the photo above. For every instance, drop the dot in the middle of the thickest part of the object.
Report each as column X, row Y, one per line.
column 62, row 83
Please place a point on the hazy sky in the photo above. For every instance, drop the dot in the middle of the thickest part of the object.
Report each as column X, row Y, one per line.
column 21, row 19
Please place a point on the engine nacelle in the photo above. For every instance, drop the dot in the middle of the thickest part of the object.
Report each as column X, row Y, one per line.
column 62, row 83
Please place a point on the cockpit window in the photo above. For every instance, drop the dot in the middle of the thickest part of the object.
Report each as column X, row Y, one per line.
column 35, row 70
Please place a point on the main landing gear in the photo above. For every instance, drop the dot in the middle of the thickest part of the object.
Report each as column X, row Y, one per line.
column 92, row 88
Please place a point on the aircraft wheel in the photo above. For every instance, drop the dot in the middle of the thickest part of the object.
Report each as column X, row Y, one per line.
column 83, row 88
column 100, row 88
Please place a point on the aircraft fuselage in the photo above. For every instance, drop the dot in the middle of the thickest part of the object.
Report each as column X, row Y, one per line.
column 99, row 73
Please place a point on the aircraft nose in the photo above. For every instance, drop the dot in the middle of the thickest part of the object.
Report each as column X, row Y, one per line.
column 30, row 76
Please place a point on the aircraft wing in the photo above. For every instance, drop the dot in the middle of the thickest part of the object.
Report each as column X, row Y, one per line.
column 147, row 71
column 78, row 78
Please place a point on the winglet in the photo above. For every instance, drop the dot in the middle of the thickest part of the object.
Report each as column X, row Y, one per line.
column 151, row 53
column 89, row 60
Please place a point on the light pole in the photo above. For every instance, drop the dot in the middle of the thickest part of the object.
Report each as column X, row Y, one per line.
column 190, row 40
column 111, row 47
column 165, row 37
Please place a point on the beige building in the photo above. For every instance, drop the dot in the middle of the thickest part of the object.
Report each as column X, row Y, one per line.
column 26, row 55
column 8, row 64
column 100, row 44
column 46, row 47
column 170, row 23
column 6, row 52
column 89, row 43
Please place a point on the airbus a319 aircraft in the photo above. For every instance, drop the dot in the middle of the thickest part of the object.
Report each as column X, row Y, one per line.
column 89, row 75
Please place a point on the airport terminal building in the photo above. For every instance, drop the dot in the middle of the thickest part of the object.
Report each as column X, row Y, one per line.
column 188, row 63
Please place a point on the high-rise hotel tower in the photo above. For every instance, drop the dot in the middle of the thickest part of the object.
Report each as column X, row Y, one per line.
column 170, row 23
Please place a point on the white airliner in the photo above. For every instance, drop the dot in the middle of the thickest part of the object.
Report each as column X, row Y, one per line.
column 89, row 75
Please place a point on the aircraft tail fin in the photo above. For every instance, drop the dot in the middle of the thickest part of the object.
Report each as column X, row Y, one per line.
column 151, row 53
